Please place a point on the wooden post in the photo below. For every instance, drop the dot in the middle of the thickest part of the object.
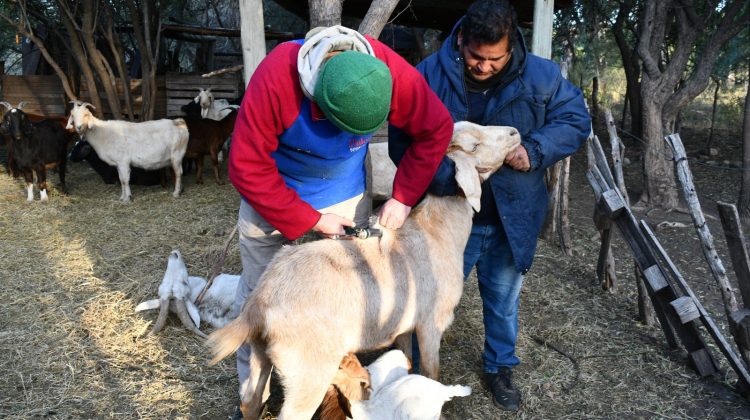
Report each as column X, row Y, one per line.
column 737, row 245
column 566, row 243
column 707, row 240
column 541, row 44
column 739, row 321
column 252, row 35
column 618, row 151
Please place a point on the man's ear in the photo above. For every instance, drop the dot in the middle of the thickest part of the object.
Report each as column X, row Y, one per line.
column 468, row 180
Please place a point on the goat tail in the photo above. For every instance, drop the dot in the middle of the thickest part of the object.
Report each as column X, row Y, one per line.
column 230, row 337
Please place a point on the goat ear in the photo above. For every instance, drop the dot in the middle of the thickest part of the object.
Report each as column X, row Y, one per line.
column 88, row 120
column 194, row 313
column 468, row 180
column 149, row 304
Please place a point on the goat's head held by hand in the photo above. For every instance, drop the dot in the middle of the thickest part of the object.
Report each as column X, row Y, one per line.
column 478, row 152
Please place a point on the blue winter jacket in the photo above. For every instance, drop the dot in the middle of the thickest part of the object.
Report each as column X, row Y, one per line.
column 549, row 113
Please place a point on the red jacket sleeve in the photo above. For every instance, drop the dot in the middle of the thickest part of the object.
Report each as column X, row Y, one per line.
column 270, row 105
column 418, row 112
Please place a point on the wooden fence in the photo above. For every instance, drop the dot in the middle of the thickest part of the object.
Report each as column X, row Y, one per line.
column 44, row 95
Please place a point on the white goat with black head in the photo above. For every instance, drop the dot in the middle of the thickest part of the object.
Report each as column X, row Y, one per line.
column 178, row 292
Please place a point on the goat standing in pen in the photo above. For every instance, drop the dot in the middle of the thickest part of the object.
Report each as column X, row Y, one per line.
column 147, row 145
column 33, row 148
column 318, row 301
column 206, row 138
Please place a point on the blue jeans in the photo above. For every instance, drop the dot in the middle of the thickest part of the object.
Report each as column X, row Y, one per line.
column 500, row 288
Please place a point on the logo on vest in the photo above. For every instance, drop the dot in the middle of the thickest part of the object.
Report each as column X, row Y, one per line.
column 356, row 143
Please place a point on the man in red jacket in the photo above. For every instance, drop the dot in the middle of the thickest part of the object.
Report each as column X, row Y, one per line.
column 301, row 136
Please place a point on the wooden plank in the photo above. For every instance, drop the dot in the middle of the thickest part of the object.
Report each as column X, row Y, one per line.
column 601, row 162
column 706, row 319
column 611, row 203
column 737, row 246
column 655, row 278
column 740, row 320
column 702, row 362
column 686, row 309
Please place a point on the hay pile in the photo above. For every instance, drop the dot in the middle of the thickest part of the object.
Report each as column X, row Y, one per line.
column 71, row 345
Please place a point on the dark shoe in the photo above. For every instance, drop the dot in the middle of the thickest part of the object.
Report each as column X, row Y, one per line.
column 237, row 414
column 504, row 394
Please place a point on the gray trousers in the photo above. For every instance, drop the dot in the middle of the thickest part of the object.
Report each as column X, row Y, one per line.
column 259, row 241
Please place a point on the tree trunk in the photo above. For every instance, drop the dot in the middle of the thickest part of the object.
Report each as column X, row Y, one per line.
column 143, row 22
column 76, row 45
column 743, row 205
column 97, row 60
column 325, row 12
column 660, row 188
column 376, row 17
column 118, row 53
column 252, row 35
column 709, row 143
column 632, row 69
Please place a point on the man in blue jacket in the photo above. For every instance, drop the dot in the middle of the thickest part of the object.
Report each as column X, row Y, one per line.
column 483, row 73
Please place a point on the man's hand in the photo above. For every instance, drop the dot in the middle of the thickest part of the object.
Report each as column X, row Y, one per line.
column 332, row 224
column 393, row 214
column 518, row 159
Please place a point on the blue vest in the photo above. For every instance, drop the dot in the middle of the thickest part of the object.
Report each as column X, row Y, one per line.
column 322, row 163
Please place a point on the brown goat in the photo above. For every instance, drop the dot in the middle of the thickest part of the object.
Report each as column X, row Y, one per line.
column 206, row 138
column 322, row 299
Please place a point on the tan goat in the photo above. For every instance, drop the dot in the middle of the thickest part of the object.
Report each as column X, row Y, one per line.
column 318, row 301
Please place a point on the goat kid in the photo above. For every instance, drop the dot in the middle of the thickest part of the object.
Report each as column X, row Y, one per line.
column 33, row 148
column 322, row 299
column 398, row 395
column 178, row 293
column 148, row 145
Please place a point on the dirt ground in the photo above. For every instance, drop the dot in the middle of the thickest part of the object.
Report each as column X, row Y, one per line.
column 71, row 345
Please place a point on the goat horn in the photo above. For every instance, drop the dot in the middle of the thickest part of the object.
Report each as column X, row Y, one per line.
column 88, row 105
column 7, row 105
column 162, row 318
column 21, row 104
column 186, row 320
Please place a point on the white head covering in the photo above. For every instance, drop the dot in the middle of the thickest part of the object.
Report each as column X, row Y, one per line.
column 318, row 43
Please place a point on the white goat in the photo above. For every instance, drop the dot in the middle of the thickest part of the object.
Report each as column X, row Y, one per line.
column 410, row 397
column 388, row 367
column 211, row 108
column 398, row 395
column 148, row 145
column 178, row 292
column 320, row 300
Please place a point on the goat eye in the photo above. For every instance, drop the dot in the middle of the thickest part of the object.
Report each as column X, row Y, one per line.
column 476, row 146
